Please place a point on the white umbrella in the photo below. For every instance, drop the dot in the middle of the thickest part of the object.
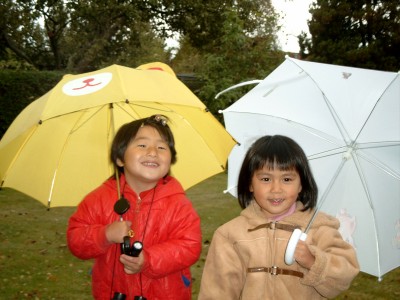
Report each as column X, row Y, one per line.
column 347, row 120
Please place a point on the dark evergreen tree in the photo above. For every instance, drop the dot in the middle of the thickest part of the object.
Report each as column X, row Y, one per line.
column 358, row 33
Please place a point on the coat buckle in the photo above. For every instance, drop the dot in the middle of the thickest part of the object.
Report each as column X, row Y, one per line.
column 274, row 270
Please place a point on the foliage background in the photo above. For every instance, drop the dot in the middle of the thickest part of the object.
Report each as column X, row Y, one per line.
column 356, row 33
column 221, row 43
column 19, row 88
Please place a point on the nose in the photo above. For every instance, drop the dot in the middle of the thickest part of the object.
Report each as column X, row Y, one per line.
column 152, row 151
column 275, row 186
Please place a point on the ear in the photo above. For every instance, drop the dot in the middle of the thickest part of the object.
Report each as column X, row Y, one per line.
column 119, row 163
column 251, row 188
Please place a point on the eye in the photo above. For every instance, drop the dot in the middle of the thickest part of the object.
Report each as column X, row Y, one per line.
column 162, row 147
column 287, row 179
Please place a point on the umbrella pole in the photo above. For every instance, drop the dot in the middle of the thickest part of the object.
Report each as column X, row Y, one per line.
column 118, row 186
column 297, row 233
column 113, row 134
column 345, row 158
column 125, row 206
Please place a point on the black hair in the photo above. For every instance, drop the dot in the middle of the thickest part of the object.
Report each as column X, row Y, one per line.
column 279, row 152
column 128, row 132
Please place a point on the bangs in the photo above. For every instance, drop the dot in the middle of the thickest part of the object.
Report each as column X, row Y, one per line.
column 276, row 155
column 277, row 163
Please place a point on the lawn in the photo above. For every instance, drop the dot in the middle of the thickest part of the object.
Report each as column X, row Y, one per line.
column 35, row 262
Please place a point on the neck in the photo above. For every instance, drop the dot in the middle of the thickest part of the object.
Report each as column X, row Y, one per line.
column 290, row 211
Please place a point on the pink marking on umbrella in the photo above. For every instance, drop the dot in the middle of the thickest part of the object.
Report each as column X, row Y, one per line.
column 87, row 83
column 156, row 68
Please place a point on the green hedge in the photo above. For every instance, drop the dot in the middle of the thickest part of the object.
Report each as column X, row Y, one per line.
column 20, row 88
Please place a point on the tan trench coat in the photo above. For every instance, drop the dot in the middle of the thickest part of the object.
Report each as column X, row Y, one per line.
column 240, row 262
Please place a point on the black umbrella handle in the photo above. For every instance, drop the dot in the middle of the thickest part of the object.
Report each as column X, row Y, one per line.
column 131, row 250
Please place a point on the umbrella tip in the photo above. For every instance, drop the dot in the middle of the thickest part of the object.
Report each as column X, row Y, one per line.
column 347, row 155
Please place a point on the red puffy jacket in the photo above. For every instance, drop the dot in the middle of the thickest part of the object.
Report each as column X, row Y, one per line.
column 172, row 241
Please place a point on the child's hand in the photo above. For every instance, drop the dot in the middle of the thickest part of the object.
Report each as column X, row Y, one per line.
column 132, row 265
column 116, row 231
column 303, row 255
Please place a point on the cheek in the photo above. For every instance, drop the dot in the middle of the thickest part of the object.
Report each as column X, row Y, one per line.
column 168, row 157
column 300, row 188
column 252, row 184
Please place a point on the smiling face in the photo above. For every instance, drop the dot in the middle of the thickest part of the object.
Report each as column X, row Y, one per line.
column 275, row 190
column 147, row 159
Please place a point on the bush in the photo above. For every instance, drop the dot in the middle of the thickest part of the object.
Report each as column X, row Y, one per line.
column 20, row 88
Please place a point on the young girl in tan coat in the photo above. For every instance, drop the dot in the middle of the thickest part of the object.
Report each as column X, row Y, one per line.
column 278, row 193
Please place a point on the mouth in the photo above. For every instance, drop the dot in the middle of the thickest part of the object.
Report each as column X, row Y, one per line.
column 276, row 201
column 150, row 164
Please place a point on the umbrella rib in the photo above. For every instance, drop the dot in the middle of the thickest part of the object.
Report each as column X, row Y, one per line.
column 376, row 103
column 364, row 184
column 74, row 128
column 169, row 110
column 324, row 196
column 373, row 161
column 367, row 193
column 303, row 127
column 256, row 81
column 127, row 112
column 145, row 106
column 337, row 120
column 88, row 119
column 333, row 151
column 339, row 124
column 361, row 174
column 385, row 168
column 328, row 153
column 18, row 153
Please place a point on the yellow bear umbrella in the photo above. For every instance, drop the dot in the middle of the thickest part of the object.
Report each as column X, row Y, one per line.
column 57, row 149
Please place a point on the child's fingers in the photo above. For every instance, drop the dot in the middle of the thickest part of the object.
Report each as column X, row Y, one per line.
column 303, row 255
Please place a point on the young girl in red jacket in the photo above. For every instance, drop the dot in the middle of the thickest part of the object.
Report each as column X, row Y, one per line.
column 146, row 204
column 278, row 194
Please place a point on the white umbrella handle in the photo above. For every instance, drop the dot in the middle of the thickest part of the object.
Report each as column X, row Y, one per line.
column 291, row 246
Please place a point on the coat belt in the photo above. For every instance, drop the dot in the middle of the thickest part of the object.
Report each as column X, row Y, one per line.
column 276, row 271
column 275, row 225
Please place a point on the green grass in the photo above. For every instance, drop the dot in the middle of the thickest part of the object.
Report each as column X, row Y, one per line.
column 35, row 262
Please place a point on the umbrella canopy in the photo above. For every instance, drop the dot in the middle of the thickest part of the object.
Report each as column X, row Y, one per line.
column 57, row 149
column 347, row 120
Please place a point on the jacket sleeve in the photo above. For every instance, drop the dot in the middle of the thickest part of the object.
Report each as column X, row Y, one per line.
column 223, row 276
column 86, row 232
column 182, row 246
column 335, row 264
